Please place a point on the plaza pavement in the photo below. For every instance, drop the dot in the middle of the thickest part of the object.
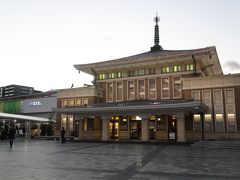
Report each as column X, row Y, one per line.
column 51, row 160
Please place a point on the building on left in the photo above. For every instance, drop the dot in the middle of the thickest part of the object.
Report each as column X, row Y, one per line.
column 16, row 90
column 28, row 102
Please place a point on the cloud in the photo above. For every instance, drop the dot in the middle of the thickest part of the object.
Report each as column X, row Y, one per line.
column 233, row 65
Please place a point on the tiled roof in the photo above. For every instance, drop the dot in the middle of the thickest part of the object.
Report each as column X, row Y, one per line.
column 149, row 56
column 137, row 107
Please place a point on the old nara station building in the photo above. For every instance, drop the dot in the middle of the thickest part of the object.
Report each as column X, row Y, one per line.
column 162, row 95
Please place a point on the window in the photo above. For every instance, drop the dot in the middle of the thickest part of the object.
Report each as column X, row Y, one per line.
column 152, row 89
column 130, row 73
column 208, row 122
column 141, row 72
column 88, row 124
column 70, row 120
column 165, row 69
column 78, row 102
column 176, row 68
column 161, row 122
column 165, row 88
column 230, row 110
column 85, row 101
column 101, row 76
column 111, row 75
column 70, row 102
column 119, row 91
column 131, row 90
column 196, row 95
column 141, row 89
column 64, row 103
column 218, row 109
column 189, row 67
column 119, row 74
column 64, row 121
column 197, row 123
column 229, row 96
column 109, row 91
column 177, row 88
column 151, row 71
column 206, row 99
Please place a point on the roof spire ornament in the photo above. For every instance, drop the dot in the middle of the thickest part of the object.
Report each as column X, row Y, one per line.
column 156, row 46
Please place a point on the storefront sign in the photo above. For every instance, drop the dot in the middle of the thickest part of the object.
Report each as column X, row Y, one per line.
column 35, row 103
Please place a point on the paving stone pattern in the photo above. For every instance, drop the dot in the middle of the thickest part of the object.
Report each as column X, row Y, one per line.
column 51, row 160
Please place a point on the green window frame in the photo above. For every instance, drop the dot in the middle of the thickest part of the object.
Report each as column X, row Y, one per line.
column 176, row 68
column 165, row 69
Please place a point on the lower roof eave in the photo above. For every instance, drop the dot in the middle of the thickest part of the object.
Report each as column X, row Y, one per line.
column 130, row 110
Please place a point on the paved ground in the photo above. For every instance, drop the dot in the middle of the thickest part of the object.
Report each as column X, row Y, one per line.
column 50, row 160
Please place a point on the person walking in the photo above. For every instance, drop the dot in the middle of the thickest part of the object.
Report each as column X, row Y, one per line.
column 11, row 135
column 63, row 135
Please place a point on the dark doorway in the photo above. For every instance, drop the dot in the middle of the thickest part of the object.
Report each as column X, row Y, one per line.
column 152, row 127
column 172, row 128
column 135, row 129
column 76, row 128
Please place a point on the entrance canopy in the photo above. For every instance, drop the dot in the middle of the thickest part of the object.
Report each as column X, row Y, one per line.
column 23, row 117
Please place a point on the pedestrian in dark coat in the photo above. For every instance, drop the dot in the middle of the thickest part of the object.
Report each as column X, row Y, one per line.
column 63, row 135
column 11, row 135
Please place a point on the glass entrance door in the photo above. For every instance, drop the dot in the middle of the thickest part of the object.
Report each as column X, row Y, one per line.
column 114, row 130
column 172, row 128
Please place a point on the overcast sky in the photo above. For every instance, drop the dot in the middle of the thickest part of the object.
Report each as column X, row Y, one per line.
column 41, row 40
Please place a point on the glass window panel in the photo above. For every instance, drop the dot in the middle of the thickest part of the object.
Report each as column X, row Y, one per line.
column 152, row 88
column 64, row 121
column 110, row 91
column 119, row 91
column 85, row 101
column 141, row 72
column 64, row 103
column 151, row 71
column 70, row 102
column 197, row 123
column 177, row 90
column 165, row 88
column 208, row 123
column 141, row 89
column 196, row 95
column 131, row 90
column 70, row 122
column 78, row 102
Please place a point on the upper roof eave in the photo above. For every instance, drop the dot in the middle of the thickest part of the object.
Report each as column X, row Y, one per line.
column 145, row 57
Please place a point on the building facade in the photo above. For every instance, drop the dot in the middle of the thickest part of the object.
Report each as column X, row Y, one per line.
column 161, row 95
column 16, row 90
column 38, row 105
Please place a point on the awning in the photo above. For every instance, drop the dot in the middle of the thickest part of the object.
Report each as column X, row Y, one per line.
column 23, row 117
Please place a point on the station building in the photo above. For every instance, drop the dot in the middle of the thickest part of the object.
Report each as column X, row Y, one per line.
column 160, row 95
